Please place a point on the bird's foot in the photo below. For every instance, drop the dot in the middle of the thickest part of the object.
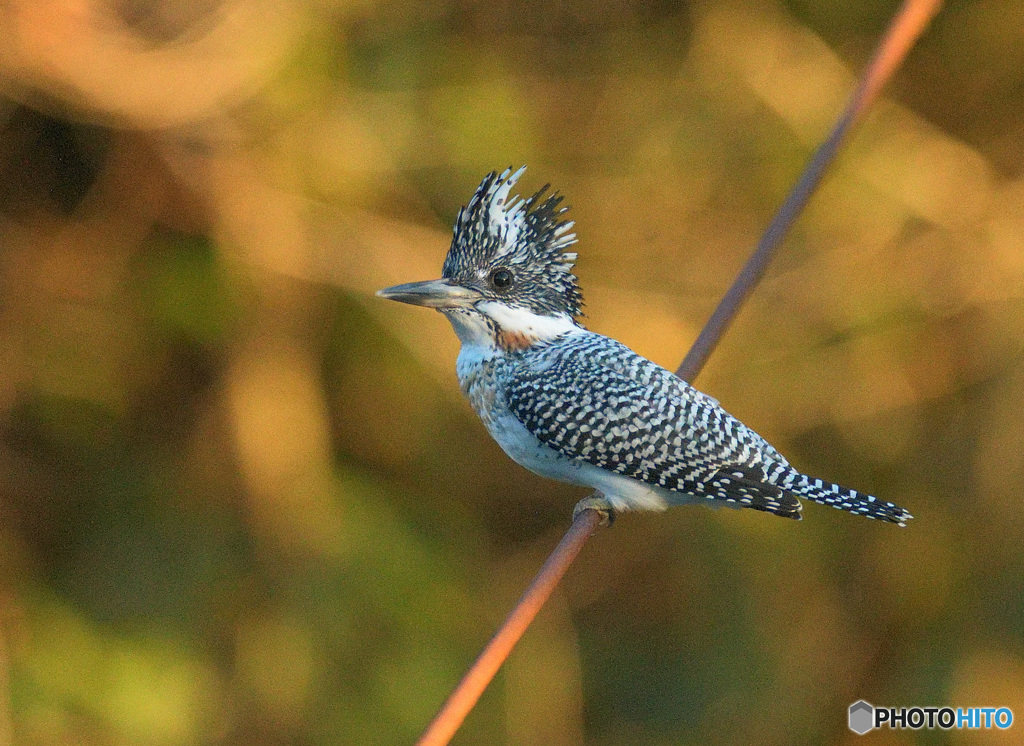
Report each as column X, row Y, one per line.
column 597, row 502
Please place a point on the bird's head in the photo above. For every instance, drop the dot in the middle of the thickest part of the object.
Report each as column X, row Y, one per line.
column 507, row 280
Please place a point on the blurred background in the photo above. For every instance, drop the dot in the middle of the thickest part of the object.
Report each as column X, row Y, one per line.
column 242, row 500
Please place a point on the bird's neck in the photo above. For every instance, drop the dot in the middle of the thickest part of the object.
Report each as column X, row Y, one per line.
column 497, row 328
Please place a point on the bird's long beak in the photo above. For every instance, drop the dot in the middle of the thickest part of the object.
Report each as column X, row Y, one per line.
column 432, row 294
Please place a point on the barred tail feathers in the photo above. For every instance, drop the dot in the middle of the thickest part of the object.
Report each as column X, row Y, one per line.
column 846, row 499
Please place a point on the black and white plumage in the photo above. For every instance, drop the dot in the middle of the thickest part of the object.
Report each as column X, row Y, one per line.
column 578, row 407
column 527, row 236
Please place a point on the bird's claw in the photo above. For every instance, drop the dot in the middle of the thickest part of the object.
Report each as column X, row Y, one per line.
column 599, row 503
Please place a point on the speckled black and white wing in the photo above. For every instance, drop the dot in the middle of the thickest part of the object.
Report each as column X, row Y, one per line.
column 592, row 399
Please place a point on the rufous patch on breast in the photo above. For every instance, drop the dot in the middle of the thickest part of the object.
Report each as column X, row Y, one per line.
column 512, row 341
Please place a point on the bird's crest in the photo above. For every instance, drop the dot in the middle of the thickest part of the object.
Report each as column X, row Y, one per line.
column 526, row 236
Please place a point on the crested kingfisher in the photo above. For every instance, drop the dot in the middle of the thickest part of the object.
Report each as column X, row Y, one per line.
column 578, row 407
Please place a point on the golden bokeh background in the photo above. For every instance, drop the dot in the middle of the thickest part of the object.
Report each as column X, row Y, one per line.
column 242, row 500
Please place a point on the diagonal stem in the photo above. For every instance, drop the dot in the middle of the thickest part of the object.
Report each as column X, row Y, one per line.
column 462, row 700
column 908, row 24
column 904, row 30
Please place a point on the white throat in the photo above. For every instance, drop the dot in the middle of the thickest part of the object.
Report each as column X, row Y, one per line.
column 517, row 320
column 513, row 322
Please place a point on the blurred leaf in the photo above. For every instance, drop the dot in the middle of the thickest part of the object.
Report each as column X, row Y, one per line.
column 185, row 289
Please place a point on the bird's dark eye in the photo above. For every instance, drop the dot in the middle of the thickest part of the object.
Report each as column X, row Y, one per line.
column 501, row 279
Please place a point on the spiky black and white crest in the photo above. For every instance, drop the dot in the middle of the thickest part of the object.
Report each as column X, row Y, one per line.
column 526, row 236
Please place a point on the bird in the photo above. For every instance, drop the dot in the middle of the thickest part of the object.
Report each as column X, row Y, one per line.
column 573, row 405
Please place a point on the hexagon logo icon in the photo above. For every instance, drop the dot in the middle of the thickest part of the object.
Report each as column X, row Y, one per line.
column 862, row 717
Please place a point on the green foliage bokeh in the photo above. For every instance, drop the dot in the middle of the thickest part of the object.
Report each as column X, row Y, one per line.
column 241, row 499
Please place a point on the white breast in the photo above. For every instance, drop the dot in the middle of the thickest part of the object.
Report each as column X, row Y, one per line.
column 476, row 371
column 526, row 450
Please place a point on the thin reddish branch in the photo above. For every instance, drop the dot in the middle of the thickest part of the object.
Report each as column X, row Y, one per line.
column 904, row 30
column 462, row 700
column 906, row 27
